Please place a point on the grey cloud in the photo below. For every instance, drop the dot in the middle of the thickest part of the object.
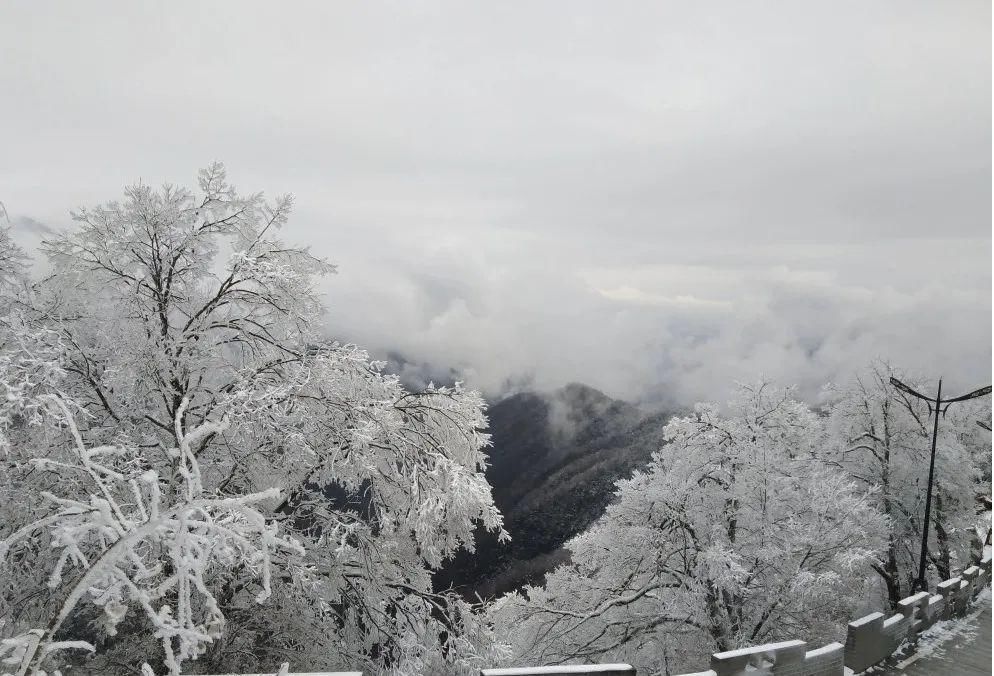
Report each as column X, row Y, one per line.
column 655, row 198
column 678, row 334
column 33, row 226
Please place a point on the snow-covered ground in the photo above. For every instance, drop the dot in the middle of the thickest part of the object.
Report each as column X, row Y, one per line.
column 945, row 642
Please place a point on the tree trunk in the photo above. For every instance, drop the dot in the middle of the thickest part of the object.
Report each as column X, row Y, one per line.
column 892, row 576
column 716, row 627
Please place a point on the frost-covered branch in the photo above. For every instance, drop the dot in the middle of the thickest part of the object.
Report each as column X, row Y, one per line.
column 133, row 549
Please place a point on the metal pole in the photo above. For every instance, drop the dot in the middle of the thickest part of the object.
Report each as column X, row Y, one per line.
column 936, row 406
column 920, row 584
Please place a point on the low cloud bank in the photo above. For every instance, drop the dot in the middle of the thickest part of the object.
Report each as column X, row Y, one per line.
column 675, row 334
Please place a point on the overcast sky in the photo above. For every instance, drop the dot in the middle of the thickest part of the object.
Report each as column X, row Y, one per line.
column 653, row 198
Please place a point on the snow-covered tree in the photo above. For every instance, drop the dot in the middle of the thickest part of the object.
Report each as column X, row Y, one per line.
column 13, row 266
column 739, row 532
column 129, row 546
column 186, row 381
column 882, row 438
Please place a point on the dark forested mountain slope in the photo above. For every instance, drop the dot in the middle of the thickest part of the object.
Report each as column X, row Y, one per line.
column 554, row 461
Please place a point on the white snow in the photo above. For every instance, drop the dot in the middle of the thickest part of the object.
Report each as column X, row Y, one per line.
column 302, row 673
column 932, row 642
column 750, row 650
column 564, row 669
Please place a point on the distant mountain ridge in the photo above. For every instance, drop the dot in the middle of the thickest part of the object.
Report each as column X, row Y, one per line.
column 553, row 465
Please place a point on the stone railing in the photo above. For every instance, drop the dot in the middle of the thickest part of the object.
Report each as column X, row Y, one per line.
column 787, row 657
column 285, row 672
column 870, row 640
column 564, row 670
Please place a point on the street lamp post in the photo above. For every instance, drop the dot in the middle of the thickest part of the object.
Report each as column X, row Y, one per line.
column 935, row 406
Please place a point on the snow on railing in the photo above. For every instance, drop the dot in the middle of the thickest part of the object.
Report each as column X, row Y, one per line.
column 564, row 670
column 299, row 673
column 869, row 640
